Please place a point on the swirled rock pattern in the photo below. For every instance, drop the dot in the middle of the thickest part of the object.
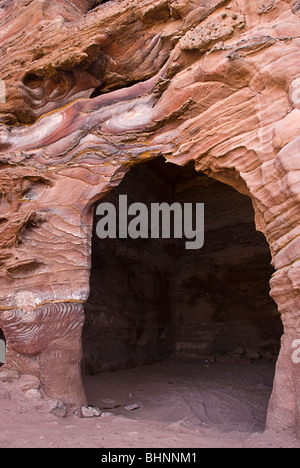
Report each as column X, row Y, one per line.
column 93, row 87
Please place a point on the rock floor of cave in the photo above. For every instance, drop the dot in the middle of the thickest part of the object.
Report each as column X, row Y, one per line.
column 188, row 393
column 182, row 404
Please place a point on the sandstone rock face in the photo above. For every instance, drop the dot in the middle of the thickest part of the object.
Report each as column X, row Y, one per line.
column 94, row 87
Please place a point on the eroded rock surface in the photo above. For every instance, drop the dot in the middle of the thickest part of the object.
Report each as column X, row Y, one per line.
column 92, row 88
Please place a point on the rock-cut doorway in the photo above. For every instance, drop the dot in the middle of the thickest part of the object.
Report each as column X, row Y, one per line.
column 201, row 315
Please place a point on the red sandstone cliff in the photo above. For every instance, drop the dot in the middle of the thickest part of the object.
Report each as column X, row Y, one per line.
column 92, row 90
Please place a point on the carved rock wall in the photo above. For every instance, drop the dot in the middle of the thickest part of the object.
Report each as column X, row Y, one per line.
column 129, row 318
column 91, row 90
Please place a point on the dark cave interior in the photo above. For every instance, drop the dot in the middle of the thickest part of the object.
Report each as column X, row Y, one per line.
column 152, row 299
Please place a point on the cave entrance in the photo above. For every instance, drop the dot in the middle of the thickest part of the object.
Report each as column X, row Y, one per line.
column 2, row 348
column 194, row 313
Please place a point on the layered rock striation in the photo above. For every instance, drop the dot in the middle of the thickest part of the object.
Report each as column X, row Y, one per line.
column 94, row 87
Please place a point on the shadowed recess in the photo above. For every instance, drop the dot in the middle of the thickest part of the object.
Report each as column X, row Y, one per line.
column 152, row 299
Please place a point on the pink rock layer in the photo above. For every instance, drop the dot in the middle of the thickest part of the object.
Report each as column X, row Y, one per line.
column 93, row 88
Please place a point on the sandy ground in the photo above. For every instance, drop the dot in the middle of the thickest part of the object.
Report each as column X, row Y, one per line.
column 181, row 405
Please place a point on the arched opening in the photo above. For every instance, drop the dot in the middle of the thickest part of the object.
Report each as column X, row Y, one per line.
column 2, row 348
column 201, row 321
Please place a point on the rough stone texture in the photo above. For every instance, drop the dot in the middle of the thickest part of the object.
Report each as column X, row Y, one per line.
column 94, row 89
